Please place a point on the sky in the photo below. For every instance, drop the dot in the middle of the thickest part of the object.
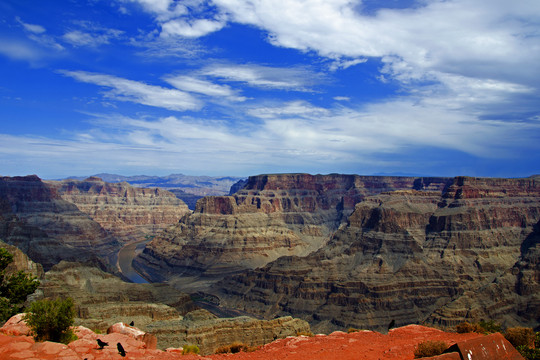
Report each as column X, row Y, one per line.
column 246, row 87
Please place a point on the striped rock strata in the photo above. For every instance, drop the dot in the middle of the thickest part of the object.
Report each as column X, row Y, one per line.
column 471, row 252
column 270, row 217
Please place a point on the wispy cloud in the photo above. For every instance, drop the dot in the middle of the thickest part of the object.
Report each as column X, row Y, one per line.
column 267, row 77
column 138, row 92
column 288, row 136
column 200, row 86
column 33, row 28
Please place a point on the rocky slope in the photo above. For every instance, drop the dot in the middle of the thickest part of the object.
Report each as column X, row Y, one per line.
column 35, row 218
column 270, row 217
column 126, row 212
column 21, row 262
column 411, row 256
column 103, row 299
column 364, row 345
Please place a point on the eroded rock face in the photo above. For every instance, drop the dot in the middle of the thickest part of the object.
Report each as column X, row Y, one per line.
column 126, row 212
column 272, row 216
column 471, row 252
column 103, row 299
column 35, row 218
column 209, row 332
column 21, row 262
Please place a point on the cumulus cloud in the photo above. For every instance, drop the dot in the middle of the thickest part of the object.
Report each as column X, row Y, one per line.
column 138, row 92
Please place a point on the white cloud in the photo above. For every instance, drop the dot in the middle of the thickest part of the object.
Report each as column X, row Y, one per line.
column 294, row 109
column 196, row 85
column 138, row 92
column 190, row 29
column 477, row 41
column 33, row 28
column 295, row 79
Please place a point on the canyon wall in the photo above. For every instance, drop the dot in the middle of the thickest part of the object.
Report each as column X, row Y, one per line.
column 468, row 253
column 48, row 229
column 86, row 221
column 270, row 217
column 126, row 212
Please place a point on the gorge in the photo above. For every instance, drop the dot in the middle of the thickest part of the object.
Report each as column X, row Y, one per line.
column 335, row 250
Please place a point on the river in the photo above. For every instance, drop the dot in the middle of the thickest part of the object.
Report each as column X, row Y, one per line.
column 125, row 258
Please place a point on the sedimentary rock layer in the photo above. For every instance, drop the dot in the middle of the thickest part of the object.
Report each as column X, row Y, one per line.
column 270, row 217
column 35, row 218
column 470, row 252
column 126, row 212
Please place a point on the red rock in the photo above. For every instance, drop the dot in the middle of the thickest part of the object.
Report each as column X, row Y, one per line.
column 449, row 356
column 15, row 326
column 493, row 346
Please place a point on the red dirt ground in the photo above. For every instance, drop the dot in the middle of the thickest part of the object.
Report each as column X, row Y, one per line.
column 365, row 345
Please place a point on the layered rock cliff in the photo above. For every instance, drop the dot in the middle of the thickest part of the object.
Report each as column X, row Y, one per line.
column 35, row 218
column 102, row 300
column 470, row 252
column 270, row 217
column 126, row 212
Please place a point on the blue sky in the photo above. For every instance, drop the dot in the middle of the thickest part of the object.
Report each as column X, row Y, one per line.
column 243, row 87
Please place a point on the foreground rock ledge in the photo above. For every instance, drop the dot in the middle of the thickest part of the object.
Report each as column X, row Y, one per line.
column 368, row 345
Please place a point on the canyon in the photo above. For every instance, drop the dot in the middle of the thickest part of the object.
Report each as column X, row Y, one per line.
column 294, row 251
column 81, row 220
column 345, row 251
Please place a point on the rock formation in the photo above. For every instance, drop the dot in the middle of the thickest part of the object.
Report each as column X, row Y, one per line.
column 470, row 252
column 35, row 218
column 272, row 216
column 21, row 262
column 209, row 332
column 126, row 212
column 103, row 299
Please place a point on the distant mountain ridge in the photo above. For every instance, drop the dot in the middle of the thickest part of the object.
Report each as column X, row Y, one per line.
column 186, row 187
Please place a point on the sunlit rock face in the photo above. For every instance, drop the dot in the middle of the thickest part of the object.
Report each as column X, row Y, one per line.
column 128, row 213
column 468, row 252
column 270, row 217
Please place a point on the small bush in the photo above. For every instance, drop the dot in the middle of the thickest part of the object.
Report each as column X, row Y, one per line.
column 520, row 336
column 352, row 330
column 190, row 349
column 529, row 353
column 51, row 320
column 234, row 348
column 14, row 288
column 466, row 327
column 429, row 348
column 490, row 326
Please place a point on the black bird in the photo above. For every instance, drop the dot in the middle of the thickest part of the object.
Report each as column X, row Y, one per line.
column 132, row 323
column 121, row 350
column 101, row 344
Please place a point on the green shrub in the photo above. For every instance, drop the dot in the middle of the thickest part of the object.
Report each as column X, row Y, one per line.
column 190, row 349
column 13, row 289
column 429, row 348
column 352, row 330
column 51, row 320
column 490, row 326
column 520, row 336
column 529, row 353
